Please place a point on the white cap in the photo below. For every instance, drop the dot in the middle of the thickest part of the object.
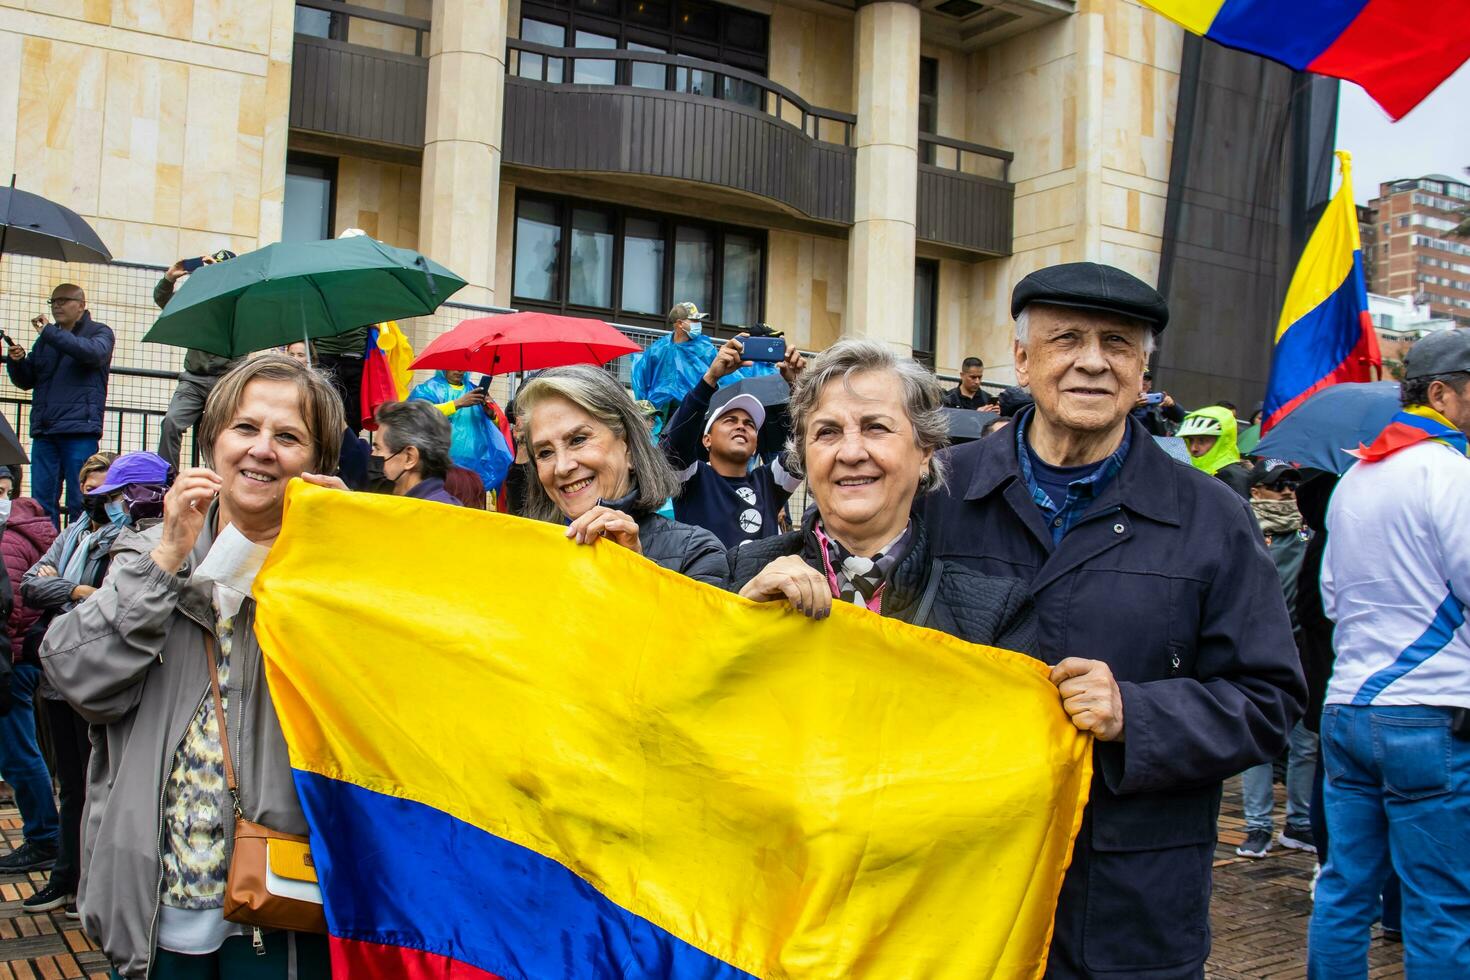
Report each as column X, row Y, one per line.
column 749, row 403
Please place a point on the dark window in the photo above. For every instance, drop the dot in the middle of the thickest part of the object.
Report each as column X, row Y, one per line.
column 643, row 267
column 926, row 303
column 311, row 197
column 534, row 65
column 588, row 71
column 928, row 105
column 649, row 13
column 695, row 28
column 538, row 250
column 320, row 23
column 698, row 20
column 630, row 264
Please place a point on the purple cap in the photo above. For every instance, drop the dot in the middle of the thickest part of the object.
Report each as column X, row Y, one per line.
column 132, row 468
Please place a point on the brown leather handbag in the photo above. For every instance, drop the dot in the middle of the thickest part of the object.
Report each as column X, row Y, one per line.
column 272, row 882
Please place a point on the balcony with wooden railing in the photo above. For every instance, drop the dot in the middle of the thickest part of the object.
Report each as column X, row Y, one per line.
column 362, row 75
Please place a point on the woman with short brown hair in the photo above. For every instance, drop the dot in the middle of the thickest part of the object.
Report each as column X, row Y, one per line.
column 135, row 659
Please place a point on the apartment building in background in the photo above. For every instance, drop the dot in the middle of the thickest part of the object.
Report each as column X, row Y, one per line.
column 1415, row 255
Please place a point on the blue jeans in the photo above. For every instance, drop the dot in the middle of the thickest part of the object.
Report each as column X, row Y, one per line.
column 54, row 459
column 21, row 763
column 1397, row 795
column 1257, row 791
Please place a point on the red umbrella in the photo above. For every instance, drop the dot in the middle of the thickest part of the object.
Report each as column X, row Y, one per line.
column 524, row 342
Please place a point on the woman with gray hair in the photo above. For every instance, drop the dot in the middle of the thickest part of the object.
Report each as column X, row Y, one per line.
column 865, row 430
column 412, row 450
column 596, row 470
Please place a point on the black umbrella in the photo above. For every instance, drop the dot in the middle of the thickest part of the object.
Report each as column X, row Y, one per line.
column 11, row 453
column 32, row 225
column 967, row 424
column 772, row 391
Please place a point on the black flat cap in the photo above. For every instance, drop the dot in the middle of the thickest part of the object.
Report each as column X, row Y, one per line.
column 1442, row 352
column 1090, row 286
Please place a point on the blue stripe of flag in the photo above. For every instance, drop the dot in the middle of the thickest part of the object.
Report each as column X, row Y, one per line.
column 1314, row 346
column 1295, row 32
column 400, row 873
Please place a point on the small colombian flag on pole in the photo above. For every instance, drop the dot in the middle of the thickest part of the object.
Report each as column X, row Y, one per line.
column 1325, row 335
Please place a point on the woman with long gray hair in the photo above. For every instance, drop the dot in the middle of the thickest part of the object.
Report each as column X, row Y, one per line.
column 865, row 429
column 595, row 469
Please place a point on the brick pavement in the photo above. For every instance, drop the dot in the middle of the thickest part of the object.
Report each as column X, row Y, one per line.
column 1260, row 915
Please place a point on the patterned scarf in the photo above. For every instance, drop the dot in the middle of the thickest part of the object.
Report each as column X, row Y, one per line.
column 856, row 579
column 1277, row 516
column 1413, row 425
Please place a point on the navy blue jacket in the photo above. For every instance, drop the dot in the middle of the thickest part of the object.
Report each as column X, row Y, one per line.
column 1166, row 579
column 68, row 370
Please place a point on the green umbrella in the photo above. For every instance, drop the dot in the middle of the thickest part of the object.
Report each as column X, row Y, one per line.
column 1248, row 438
column 295, row 290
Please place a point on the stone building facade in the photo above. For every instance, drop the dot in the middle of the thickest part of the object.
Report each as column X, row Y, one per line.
column 887, row 169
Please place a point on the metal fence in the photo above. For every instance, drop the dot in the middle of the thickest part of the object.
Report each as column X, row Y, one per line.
column 142, row 380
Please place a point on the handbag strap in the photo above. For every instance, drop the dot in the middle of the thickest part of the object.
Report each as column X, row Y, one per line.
column 219, row 717
column 926, row 601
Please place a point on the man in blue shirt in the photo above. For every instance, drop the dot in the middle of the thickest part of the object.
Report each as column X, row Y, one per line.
column 726, row 495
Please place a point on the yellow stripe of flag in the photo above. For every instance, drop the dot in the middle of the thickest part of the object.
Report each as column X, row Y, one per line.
column 1195, row 15
column 850, row 798
column 1327, row 260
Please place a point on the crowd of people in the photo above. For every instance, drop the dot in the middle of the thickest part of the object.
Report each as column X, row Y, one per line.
column 1186, row 613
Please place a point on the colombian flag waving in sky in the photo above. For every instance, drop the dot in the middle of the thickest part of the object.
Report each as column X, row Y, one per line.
column 1325, row 335
column 1398, row 50
column 599, row 768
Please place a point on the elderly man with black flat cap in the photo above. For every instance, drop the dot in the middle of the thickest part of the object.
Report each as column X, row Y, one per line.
column 1160, row 610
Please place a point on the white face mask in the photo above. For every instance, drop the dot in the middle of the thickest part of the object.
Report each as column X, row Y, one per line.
column 5, row 503
column 696, row 327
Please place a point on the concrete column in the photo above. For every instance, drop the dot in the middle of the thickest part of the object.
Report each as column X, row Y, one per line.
column 460, row 188
column 880, row 254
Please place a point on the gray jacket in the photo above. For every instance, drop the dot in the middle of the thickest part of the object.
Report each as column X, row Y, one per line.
column 132, row 659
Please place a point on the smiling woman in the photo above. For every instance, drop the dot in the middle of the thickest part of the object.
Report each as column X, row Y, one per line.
column 134, row 660
column 865, row 428
column 596, row 470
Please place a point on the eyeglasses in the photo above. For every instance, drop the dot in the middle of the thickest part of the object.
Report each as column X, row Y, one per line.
column 54, row 303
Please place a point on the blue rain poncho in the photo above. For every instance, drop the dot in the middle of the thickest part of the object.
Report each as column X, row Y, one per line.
column 476, row 443
column 666, row 371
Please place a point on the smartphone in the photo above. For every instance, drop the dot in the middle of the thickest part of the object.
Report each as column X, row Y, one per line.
column 1154, row 398
column 484, row 385
column 769, row 350
column 191, row 265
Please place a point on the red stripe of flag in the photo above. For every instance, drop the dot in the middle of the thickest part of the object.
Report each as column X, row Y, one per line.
column 375, row 961
column 1400, row 50
column 1354, row 367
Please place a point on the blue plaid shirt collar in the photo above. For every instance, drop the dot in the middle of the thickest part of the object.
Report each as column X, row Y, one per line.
column 1061, row 518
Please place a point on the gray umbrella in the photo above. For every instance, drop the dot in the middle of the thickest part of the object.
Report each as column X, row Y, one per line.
column 32, row 225
column 967, row 424
column 11, row 453
column 772, row 391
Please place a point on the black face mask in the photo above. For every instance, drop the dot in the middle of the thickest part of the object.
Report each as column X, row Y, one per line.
column 97, row 509
column 377, row 481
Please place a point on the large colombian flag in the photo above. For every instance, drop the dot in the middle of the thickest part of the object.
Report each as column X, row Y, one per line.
column 1398, row 50
column 589, row 766
column 1325, row 335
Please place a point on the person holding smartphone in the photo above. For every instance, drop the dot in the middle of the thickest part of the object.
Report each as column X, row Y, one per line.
column 67, row 369
column 201, row 368
column 1157, row 410
column 478, row 443
column 724, row 494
